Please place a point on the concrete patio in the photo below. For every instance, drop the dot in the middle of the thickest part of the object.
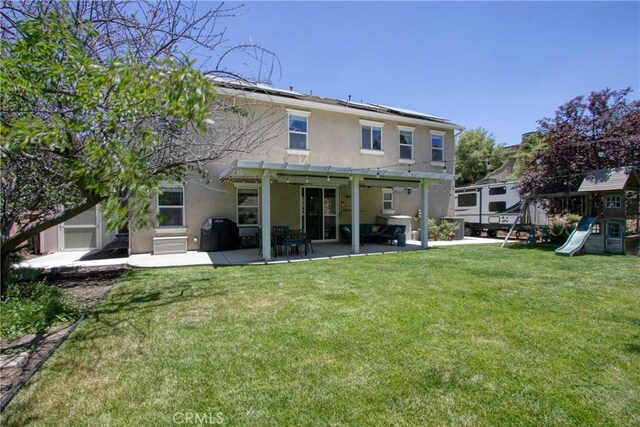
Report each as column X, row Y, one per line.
column 322, row 251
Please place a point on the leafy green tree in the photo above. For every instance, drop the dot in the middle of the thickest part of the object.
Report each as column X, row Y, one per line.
column 100, row 103
column 77, row 131
column 527, row 152
column 476, row 155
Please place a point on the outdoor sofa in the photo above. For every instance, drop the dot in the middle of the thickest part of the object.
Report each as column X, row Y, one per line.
column 377, row 233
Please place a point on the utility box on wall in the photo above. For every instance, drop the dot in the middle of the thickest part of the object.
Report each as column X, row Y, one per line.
column 169, row 245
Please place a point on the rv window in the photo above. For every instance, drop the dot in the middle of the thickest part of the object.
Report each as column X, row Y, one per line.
column 497, row 206
column 465, row 200
column 497, row 190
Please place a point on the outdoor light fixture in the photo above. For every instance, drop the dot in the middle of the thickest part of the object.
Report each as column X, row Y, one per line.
column 601, row 154
column 306, row 179
column 378, row 173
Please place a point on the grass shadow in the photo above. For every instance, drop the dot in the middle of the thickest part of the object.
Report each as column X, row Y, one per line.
column 543, row 247
column 633, row 348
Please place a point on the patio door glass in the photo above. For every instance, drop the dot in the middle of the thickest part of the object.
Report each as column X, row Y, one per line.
column 319, row 212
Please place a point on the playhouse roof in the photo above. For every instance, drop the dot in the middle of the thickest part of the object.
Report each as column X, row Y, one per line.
column 610, row 180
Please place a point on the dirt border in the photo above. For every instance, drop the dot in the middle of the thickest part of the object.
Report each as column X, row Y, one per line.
column 26, row 377
column 45, row 344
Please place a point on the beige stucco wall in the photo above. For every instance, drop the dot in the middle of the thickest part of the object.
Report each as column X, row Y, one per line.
column 333, row 139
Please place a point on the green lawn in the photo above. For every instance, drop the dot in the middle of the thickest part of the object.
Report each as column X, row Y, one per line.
column 467, row 335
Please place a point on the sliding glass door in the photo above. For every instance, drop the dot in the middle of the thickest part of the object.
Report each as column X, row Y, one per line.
column 318, row 211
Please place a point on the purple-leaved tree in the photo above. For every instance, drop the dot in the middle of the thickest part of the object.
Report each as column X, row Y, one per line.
column 600, row 131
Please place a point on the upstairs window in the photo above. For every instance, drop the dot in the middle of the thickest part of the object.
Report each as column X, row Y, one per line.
column 437, row 146
column 171, row 206
column 297, row 131
column 406, row 142
column 371, row 136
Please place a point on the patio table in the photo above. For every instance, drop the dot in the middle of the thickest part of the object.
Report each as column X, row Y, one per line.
column 288, row 240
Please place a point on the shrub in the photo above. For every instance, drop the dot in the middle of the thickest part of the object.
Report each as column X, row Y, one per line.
column 447, row 229
column 34, row 307
column 443, row 231
column 560, row 227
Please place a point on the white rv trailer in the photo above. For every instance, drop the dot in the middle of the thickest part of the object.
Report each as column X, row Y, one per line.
column 493, row 207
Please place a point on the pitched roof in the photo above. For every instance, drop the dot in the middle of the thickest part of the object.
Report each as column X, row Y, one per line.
column 610, row 179
column 344, row 105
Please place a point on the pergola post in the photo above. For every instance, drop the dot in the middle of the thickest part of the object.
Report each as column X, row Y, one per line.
column 266, row 216
column 355, row 214
column 424, row 217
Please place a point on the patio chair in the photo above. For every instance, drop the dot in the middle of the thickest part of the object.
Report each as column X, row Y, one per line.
column 295, row 239
column 278, row 234
column 308, row 244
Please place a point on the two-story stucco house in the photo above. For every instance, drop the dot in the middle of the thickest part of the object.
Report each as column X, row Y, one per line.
column 333, row 162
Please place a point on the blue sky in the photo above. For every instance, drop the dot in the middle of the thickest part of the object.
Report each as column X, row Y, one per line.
column 497, row 65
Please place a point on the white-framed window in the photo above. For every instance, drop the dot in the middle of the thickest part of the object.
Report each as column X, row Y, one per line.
column 406, row 142
column 371, row 136
column 437, row 146
column 248, row 206
column 613, row 201
column 298, row 129
column 171, row 206
column 387, row 200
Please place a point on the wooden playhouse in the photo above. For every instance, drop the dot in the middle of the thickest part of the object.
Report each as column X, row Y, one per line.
column 612, row 195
